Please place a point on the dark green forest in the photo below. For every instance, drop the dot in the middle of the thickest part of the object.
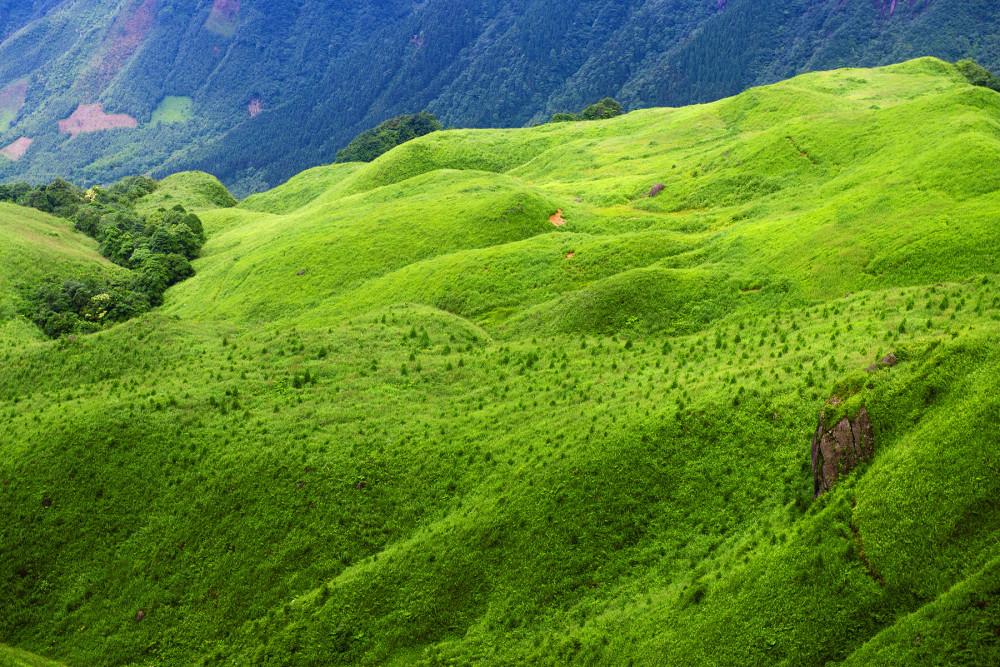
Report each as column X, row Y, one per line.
column 277, row 87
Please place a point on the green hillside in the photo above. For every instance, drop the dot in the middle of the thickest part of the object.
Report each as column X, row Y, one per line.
column 12, row 657
column 195, row 191
column 34, row 246
column 481, row 401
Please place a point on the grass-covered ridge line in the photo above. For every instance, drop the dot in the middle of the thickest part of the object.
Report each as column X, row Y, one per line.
column 399, row 417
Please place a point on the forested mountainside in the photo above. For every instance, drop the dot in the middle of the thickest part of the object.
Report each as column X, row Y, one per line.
column 713, row 385
column 255, row 91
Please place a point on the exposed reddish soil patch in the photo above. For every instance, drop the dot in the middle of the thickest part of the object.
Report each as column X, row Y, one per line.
column 255, row 106
column 557, row 219
column 12, row 97
column 17, row 149
column 91, row 118
column 570, row 255
column 126, row 34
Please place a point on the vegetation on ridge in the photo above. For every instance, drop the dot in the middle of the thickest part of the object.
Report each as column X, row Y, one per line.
column 978, row 75
column 479, row 401
column 606, row 108
column 387, row 135
column 157, row 247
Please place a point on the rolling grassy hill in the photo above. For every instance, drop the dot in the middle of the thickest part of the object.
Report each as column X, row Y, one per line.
column 400, row 416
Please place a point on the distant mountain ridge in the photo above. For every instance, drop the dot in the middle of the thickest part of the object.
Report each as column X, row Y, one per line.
column 255, row 92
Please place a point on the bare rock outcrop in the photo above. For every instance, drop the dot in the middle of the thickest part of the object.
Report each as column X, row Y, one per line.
column 888, row 361
column 838, row 450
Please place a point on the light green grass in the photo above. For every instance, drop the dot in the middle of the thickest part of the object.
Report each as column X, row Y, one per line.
column 173, row 109
column 763, row 205
column 12, row 657
column 391, row 421
column 195, row 191
column 300, row 190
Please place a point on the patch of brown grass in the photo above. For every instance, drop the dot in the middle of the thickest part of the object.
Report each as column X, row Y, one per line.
column 12, row 97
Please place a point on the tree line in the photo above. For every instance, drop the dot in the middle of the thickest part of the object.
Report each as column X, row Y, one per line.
column 606, row 108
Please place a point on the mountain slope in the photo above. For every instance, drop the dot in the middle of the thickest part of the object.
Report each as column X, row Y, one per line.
column 433, row 409
column 232, row 87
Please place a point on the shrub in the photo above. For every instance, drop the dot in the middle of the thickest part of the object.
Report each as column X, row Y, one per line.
column 978, row 75
column 387, row 135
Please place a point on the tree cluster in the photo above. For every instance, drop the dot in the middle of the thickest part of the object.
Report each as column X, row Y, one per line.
column 157, row 248
column 606, row 108
column 978, row 75
column 387, row 135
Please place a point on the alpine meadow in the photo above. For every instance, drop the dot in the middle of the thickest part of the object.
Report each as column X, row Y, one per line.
column 707, row 385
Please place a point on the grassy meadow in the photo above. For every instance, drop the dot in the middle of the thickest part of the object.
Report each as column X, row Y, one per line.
column 12, row 657
column 173, row 109
column 400, row 418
